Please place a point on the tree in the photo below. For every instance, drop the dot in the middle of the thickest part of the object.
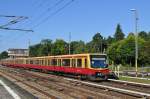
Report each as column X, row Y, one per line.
column 119, row 35
column 109, row 41
column 97, row 45
column 44, row 48
column 78, row 47
column 143, row 35
column 145, row 53
column 130, row 34
column 123, row 52
column 4, row 55
column 34, row 50
column 113, row 53
column 60, row 47
column 149, row 35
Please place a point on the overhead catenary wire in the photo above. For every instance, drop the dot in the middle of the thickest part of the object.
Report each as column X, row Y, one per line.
column 16, row 29
column 54, row 13
column 60, row 9
column 14, row 21
column 49, row 9
column 7, row 16
column 47, row 18
column 35, row 6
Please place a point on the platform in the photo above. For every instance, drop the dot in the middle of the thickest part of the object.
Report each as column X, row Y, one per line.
column 8, row 90
column 4, row 94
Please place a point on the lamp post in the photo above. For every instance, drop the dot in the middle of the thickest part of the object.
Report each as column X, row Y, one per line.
column 136, row 39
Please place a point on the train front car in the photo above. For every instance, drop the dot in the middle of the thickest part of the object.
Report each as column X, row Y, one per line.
column 98, row 62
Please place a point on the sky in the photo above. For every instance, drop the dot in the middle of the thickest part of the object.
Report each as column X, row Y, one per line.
column 55, row 19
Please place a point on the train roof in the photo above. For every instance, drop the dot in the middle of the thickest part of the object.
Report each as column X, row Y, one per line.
column 62, row 56
column 71, row 55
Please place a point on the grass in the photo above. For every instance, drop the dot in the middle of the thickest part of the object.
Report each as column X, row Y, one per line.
column 134, row 80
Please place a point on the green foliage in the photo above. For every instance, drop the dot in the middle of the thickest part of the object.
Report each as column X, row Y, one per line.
column 78, row 47
column 123, row 52
column 149, row 35
column 145, row 53
column 110, row 40
column 60, row 47
column 42, row 49
column 119, row 35
column 97, row 45
column 143, row 35
column 46, row 47
column 4, row 55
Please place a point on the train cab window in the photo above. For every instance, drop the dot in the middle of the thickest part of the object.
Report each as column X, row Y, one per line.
column 79, row 62
column 98, row 61
column 66, row 62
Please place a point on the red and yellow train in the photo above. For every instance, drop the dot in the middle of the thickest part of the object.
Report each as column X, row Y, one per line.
column 89, row 66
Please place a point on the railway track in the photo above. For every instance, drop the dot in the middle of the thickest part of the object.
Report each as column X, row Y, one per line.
column 143, row 88
column 63, row 90
column 73, row 88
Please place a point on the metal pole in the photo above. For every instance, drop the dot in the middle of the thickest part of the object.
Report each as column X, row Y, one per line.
column 69, row 41
column 101, row 45
column 136, row 40
column 29, row 48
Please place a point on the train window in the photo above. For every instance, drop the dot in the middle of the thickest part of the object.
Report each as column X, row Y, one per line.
column 49, row 62
column 73, row 63
column 45, row 62
column 59, row 62
column 66, row 62
column 36, row 62
column 31, row 62
column 79, row 63
column 85, row 63
column 41, row 62
column 54, row 62
column 27, row 62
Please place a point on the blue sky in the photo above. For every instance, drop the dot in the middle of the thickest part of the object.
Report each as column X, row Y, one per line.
column 83, row 18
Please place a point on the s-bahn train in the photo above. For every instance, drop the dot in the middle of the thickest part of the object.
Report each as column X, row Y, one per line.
column 91, row 66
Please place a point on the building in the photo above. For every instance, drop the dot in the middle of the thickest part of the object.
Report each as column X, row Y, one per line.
column 18, row 53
